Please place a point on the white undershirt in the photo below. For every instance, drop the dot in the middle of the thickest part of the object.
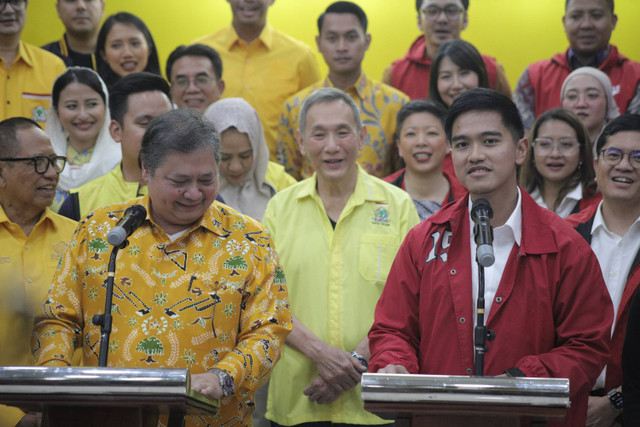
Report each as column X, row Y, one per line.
column 504, row 237
column 567, row 204
column 615, row 255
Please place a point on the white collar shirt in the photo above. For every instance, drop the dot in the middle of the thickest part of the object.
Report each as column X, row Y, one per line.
column 567, row 204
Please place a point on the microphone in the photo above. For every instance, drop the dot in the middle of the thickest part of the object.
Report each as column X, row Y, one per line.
column 481, row 214
column 133, row 218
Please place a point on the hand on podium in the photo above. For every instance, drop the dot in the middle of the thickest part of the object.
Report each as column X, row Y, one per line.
column 207, row 384
column 393, row 369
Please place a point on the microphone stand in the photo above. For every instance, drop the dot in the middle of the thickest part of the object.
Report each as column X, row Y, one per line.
column 482, row 334
column 105, row 320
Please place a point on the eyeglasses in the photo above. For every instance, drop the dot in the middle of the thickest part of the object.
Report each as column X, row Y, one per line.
column 202, row 81
column 565, row 146
column 452, row 12
column 612, row 156
column 15, row 4
column 41, row 163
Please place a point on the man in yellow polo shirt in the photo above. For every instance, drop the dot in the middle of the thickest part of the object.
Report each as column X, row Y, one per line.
column 343, row 41
column 261, row 64
column 27, row 72
column 32, row 238
column 337, row 234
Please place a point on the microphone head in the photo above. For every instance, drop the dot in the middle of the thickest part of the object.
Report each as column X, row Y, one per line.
column 138, row 212
column 479, row 206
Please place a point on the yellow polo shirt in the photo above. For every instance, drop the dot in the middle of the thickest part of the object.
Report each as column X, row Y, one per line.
column 264, row 73
column 27, row 264
column 379, row 105
column 107, row 190
column 26, row 85
column 335, row 278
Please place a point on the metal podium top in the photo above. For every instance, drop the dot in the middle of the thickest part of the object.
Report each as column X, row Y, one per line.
column 549, row 392
column 34, row 384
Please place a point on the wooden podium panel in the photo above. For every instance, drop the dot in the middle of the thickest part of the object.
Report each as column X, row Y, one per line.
column 441, row 400
column 95, row 396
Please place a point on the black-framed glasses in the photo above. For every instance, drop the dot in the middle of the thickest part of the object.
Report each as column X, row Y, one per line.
column 613, row 156
column 452, row 12
column 41, row 163
column 15, row 4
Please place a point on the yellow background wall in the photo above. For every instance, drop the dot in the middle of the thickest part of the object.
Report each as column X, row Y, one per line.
column 516, row 32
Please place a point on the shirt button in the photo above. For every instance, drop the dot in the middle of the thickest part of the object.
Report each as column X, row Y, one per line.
column 248, row 60
column 27, row 247
column 29, row 280
column 498, row 299
column 468, row 370
column 452, row 271
column 246, row 86
column 462, row 320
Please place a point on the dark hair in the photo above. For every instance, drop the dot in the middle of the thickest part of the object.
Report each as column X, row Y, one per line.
column 393, row 161
column 482, row 99
column 195, row 50
column 530, row 177
column 610, row 4
column 345, row 7
column 183, row 131
column 625, row 122
column 465, row 4
column 465, row 56
column 72, row 75
column 105, row 71
column 132, row 84
column 8, row 134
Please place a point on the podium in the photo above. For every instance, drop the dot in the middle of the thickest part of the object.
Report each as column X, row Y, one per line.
column 96, row 396
column 446, row 400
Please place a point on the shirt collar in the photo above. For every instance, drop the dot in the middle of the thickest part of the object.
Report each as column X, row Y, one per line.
column 514, row 222
column 599, row 223
column 47, row 215
column 230, row 37
column 595, row 61
column 364, row 190
column 212, row 219
column 357, row 90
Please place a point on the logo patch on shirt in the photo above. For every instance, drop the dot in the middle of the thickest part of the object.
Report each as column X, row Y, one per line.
column 58, row 250
column 5, row 260
column 380, row 215
column 39, row 114
column 615, row 90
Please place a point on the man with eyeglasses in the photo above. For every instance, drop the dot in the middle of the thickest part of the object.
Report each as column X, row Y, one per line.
column 439, row 21
column 195, row 73
column 81, row 20
column 612, row 228
column 32, row 237
column 588, row 25
column 27, row 72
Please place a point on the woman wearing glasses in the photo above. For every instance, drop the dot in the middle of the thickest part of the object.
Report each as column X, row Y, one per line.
column 558, row 170
column 78, row 126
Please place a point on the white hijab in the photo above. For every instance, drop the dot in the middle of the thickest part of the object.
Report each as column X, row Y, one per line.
column 250, row 197
column 106, row 152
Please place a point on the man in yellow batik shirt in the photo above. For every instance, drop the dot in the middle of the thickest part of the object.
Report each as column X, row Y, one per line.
column 337, row 233
column 32, row 238
column 261, row 64
column 199, row 286
column 343, row 40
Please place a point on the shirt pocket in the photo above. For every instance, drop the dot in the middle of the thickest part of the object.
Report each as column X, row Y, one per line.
column 377, row 252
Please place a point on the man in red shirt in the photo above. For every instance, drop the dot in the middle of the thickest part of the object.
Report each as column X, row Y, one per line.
column 439, row 21
column 588, row 25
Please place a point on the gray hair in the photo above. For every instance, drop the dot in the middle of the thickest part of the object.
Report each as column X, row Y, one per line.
column 323, row 95
column 183, row 131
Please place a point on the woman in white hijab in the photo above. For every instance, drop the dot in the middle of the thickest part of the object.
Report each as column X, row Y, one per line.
column 247, row 178
column 78, row 126
column 587, row 93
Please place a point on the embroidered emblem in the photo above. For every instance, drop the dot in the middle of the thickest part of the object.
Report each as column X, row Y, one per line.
column 381, row 215
column 39, row 114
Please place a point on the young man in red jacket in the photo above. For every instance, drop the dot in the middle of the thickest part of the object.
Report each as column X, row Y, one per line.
column 439, row 21
column 545, row 297
column 612, row 228
column 588, row 25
